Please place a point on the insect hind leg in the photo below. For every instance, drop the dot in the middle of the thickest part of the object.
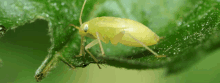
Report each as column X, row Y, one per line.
column 156, row 55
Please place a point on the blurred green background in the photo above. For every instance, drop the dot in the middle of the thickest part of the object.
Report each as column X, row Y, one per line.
column 23, row 50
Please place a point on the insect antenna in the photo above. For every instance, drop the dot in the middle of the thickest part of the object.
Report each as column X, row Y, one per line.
column 80, row 19
column 75, row 26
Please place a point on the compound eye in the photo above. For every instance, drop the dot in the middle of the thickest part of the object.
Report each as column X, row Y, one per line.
column 86, row 28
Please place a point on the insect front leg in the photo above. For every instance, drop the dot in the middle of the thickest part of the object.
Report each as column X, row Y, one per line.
column 156, row 55
column 81, row 48
column 91, row 44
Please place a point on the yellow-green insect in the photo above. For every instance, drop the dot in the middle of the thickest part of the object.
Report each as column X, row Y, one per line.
column 116, row 30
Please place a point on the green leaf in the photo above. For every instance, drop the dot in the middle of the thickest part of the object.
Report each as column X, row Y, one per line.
column 191, row 31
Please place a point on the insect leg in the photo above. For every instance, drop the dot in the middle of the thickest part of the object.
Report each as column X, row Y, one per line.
column 91, row 44
column 64, row 60
column 100, row 44
column 81, row 47
column 145, row 46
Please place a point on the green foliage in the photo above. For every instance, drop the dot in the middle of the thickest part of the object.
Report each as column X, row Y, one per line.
column 191, row 31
